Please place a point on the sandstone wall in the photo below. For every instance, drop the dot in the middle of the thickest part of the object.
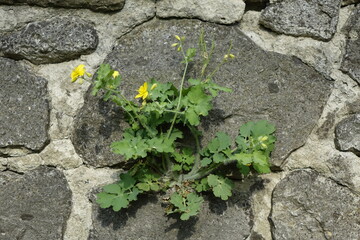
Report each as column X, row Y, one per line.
column 297, row 65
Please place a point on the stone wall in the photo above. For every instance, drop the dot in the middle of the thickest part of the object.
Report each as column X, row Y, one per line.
column 297, row 65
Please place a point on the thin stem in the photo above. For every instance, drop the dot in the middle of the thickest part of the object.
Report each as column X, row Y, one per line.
column 180, row 94
column 133, row 110
column 196, row 166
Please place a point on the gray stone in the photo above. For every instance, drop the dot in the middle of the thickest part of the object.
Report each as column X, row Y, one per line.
column 309, row 206
column 348, row 2
column 230, row 220
column 52, row 41
column 266, row 85
column 34, row 205
column 351, row 60
column 96, row 5
column 219, row 11
column 347, row 134
column 24, row 105
column 309, row 18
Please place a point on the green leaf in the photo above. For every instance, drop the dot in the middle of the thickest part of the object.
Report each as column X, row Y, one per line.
column 104, row 199
column 245, row 129
column 245, row 170
column 194, row 82
column 177, row 200
column 119, row 203
column 261, row 163
column 224, row 141
column 214, row 145
column 262, row 128
column 143, row 186
column 219, row 157
column 112, row 188
column 126, row 181
column 221, row 186
column 133, row 194
column 177, row 167
column 202, row 185
column 131, row 147
column 192, row 117
column 205, row 162
column 104, row 71
column 244, row 158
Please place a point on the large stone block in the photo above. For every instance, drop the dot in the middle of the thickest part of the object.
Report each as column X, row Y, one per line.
column 145, row 219
column 347, row 134
column 351, row 59
column 309, row 18
column 266, row 85
column 52, row 41
column 34, row 205
column 309, row 206
column 24, row 104
column 96, row 5
column 219, row 11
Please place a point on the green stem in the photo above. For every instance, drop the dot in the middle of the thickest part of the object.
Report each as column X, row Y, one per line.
column 132, row 109
column 196, row 166
column 180, row 94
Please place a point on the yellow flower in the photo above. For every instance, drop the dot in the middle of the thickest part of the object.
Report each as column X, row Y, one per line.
column 263, row 138
column 79, row 71
column 143, row 91
column 115, row 74
column 153, row 86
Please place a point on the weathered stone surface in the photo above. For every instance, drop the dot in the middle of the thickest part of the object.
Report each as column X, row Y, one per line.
column 96, row 5
column 351, row 59
column 219, row 11
column 309, row 206
column 309, row 18
column 35, row 205
column 347, row 134
column 348, row 2
column 52, row 41
column 218, row 219
column 24, row 104
column 266, row 86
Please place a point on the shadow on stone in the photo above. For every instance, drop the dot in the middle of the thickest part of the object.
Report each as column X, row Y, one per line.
column 217, row 219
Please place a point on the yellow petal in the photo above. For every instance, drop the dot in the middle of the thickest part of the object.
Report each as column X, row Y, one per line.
column 177, row 37
column 145, row 95
column 153, row 86
column 115, row 74
column 174, row 44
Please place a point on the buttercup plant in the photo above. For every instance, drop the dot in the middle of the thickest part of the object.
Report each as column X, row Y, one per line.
column 156, row 126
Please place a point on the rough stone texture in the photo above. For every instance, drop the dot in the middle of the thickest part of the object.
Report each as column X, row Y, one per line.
column 348, row 2
column 96, row 5
column 351, row 59
column 52, row 41
column 323, row 56
column 309, row 206
column 347, row 134
column 82, row 181
column 267, row 86
column 35, row 205
column 310, row 18
column 218, row 219
column 24, row 105
column 219, row 11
